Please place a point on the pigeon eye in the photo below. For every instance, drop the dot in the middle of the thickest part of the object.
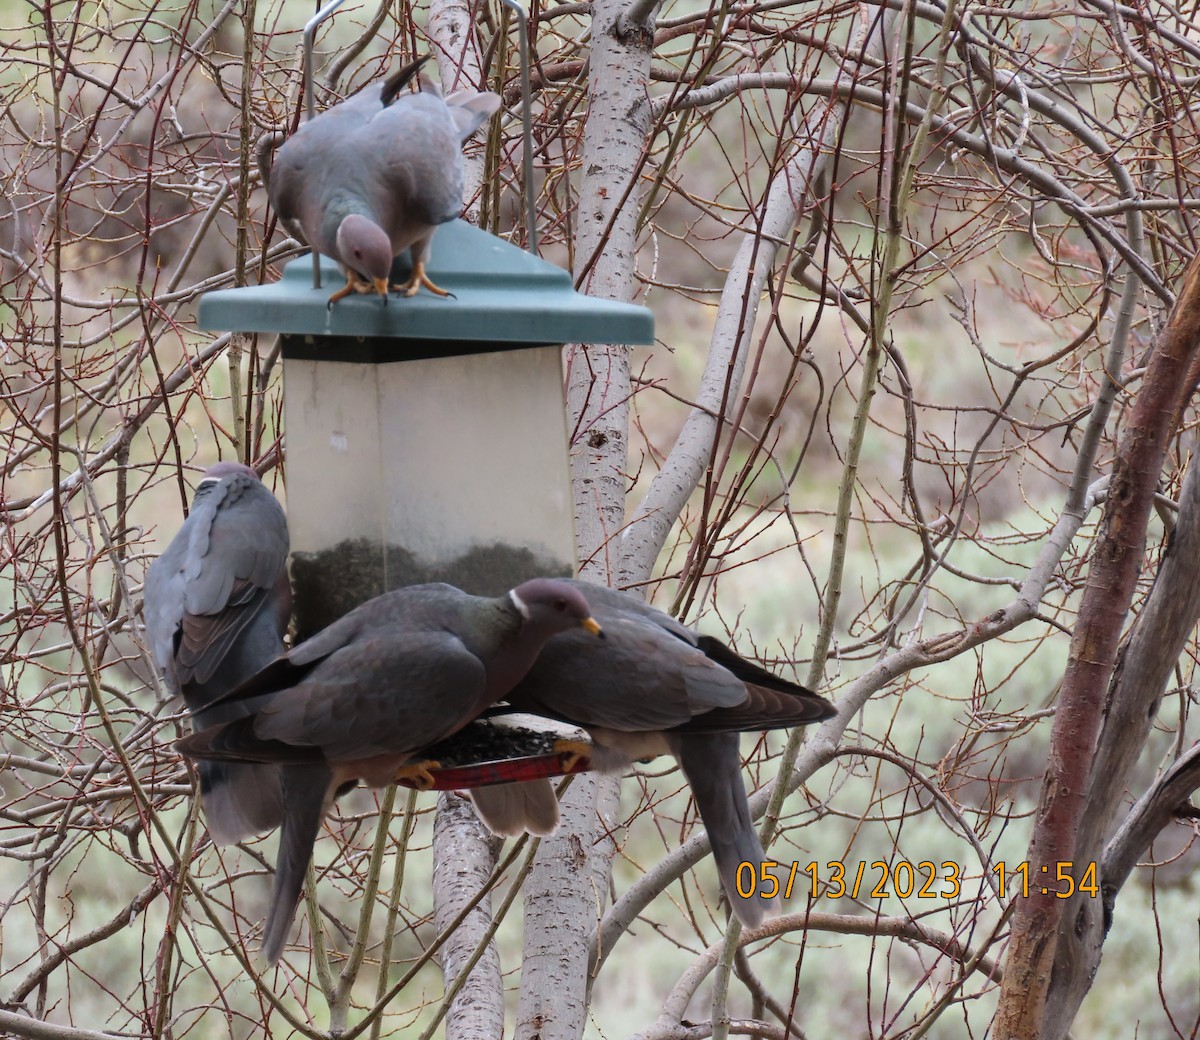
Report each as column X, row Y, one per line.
column 560, row 605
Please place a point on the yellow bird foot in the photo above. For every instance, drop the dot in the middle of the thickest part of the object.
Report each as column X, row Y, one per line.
column 573, row 752
column 418, row 279
column 346, row 290
column 419, row 773
column 355, row 283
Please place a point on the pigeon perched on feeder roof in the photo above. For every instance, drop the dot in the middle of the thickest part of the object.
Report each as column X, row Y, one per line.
column 657, row 687
column 217, row 605
column 361, row 698
column 375, row 175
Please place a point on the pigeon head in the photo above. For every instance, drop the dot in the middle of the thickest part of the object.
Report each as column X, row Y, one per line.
column 364, row 245
column 554, row 606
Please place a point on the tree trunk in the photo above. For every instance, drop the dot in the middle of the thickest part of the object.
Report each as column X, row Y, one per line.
column 465, row 857
column 568, row 886
column 1144, row 668
column 1112, row 577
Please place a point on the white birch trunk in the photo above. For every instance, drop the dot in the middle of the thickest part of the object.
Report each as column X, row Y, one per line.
column 460, row 66
column 618, row 124
column 464, row 858
column 568, row 886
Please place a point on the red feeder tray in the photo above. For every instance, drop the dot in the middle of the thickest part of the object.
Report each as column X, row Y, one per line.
column 499, row 750
column 500, row 771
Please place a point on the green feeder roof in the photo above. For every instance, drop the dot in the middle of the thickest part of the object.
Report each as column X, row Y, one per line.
column 502, row 294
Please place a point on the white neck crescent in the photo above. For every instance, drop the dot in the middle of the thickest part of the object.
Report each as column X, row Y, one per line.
column 520, row 604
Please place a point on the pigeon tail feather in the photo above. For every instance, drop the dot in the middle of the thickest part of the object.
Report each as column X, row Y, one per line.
column 712, row 765
column 240, row 799
column 400, row 78
column 304, row 790
column 750, row 672
column 509, row 810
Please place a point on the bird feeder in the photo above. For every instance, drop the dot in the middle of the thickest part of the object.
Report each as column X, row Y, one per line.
column 426, row 436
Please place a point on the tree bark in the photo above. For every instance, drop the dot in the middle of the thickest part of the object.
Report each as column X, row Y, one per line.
column 1154, row 810
column 1143, row 670
column 451, row 30
column 562, row 904
column 465, row 857
column 568, row 886
column 1112, row 578
column 598, row 384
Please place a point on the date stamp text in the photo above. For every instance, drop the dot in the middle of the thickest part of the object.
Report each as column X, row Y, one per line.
column 926, row 879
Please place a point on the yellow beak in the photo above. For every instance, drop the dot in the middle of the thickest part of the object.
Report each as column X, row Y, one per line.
column 593, row 626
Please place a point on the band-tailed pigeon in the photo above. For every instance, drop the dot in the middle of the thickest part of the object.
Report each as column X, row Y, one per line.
column 375, row 175
column 657, row 687
column 217, row 605
column 359, row 699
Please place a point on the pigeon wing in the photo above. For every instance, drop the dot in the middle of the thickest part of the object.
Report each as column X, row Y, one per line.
column 418, row 161
column 235, row 568
column 470, row 109
column 641, row 678
column 390, row 694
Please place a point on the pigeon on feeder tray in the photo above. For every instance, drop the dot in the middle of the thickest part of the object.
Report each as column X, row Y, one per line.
column 217, row 605
column 359, row 700
column 656, row 687
column 375, row 175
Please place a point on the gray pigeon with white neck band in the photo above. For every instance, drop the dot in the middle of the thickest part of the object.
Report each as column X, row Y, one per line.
column 375, row 175
column 217, row 606
column 657, row 687
column 360, row 699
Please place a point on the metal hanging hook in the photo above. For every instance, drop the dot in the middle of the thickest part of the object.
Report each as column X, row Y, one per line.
column 310, row 29
column 527, row 120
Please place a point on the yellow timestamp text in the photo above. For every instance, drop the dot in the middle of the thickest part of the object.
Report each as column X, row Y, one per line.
column 924, row 880
column 1055, row 879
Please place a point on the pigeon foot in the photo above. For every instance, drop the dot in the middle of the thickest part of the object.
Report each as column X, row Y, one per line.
column 355, row 283
column 417, row 279
column 419, row 773
column 346, row 290
column 573, row 752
